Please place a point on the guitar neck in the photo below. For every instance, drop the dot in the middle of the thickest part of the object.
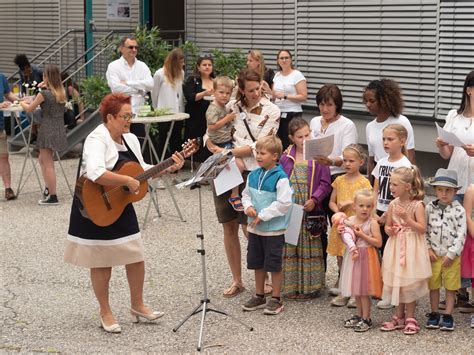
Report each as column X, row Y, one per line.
column 165, row 164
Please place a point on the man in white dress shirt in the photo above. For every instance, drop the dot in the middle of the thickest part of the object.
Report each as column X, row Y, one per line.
column 130, row 76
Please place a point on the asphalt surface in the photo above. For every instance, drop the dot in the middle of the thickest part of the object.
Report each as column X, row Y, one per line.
column 48, row 306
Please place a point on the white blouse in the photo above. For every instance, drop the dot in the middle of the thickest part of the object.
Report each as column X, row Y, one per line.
column 165, row 95
column 101, row 154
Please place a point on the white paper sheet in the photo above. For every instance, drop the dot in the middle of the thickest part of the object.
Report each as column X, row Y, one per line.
column 293, row 232
column 318, row 146
column 228, row 178
column 449, row 137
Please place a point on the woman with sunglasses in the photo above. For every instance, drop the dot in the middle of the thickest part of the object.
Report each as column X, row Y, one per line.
column 100, row 248
column 289, row 91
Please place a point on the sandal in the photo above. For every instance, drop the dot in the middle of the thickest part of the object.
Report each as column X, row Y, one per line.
column 394, row 324
column 411, row 327
column 236, row 203
column 9, row 194
column 352, row 322
column 363, row 326
column 233, row 291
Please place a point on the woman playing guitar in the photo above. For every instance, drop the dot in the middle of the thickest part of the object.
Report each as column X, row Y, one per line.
column 101, row 247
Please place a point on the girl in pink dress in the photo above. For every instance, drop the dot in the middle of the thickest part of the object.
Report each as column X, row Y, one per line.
column 360, row 277
column 406, row 264
column 467, row 256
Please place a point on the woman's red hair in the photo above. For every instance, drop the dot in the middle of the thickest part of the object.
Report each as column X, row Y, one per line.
column 112, row 104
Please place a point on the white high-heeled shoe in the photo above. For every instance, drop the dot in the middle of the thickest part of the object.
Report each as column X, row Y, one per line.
column 114, row 328
column 150, row 316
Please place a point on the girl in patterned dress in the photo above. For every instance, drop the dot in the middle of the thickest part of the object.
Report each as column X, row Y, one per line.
column 51, row 133
column 406, row 266
column 342, row 200
column 360, row 278
column 303, row 265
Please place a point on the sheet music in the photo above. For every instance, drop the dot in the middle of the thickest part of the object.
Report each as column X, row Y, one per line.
column 318, row 146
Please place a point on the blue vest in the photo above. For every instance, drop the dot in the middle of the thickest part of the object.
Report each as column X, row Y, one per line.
column 262, row 186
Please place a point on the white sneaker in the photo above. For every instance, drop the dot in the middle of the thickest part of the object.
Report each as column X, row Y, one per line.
column 384, row 305
column 334, row 291
column 352, row 303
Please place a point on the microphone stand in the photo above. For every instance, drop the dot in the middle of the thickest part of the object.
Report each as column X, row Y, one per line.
column 204, row 305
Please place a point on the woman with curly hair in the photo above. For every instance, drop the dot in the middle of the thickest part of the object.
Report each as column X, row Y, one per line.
column 383, row 99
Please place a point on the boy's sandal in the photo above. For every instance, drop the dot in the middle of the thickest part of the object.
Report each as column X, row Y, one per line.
column 352, row 322
column 9, row 194
column 411, row 327
column 394, row 324
column 236, row 203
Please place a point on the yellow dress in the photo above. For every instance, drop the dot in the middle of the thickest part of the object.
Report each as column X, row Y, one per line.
column 344, row 191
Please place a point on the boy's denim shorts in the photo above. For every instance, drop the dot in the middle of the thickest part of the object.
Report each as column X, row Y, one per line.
column 265, row 252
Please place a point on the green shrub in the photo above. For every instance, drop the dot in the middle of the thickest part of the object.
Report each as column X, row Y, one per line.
column 93, row 89
column 228, row 64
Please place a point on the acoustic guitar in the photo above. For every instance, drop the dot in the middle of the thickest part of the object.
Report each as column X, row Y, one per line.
column 103, row 205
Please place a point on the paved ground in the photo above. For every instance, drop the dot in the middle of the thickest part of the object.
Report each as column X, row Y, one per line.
column 48, row 306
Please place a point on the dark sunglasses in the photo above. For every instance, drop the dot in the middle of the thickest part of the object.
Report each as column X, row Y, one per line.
column 133, row 47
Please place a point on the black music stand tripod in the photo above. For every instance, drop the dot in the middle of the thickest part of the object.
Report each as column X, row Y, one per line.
column 204, row 305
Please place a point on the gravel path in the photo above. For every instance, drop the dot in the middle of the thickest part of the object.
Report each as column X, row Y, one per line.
column 49, row 306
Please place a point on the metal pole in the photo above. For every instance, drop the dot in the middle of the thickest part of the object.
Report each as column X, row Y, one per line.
column 89, row 38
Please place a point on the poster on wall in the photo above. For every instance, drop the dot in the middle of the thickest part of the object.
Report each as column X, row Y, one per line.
column 119, row 10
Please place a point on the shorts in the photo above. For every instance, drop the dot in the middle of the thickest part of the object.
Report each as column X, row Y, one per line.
column 265, row 252
column 448, row 277
column 224, row 210
column 3, row 142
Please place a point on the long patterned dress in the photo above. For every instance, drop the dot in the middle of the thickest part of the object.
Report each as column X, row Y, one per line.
column 303, row 266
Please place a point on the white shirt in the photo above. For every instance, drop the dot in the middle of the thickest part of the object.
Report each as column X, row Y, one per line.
column 263, row 124
column 382, row 173
column 374, row 133
column 345, row 133
column 138, row 80
column 287, row 85
column 165, row 95
column 462, row 163
column 101, row 152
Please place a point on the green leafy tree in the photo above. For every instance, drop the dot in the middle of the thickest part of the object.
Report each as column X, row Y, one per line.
column 93, row 89
column 228, row 64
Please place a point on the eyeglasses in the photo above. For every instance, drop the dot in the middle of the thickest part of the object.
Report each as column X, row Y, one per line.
column 284, row 58
column 132, row 47
column 128, row 116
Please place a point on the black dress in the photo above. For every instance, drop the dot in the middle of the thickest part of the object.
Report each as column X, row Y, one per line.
column 93, row 246
column 195, row 125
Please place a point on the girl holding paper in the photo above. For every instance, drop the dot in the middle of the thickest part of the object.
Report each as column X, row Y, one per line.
column 461, row 122
column 303, row 264
column 331, row 122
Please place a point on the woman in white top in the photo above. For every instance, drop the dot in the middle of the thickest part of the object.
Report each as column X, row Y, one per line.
column 383, row 99
column 331, row 122
column 461, row 122
column 289, row 91
column 168, row 93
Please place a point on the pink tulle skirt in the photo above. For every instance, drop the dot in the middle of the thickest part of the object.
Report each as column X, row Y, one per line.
column 467, row 262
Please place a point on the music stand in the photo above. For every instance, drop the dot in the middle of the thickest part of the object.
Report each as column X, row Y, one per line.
column 210, row 169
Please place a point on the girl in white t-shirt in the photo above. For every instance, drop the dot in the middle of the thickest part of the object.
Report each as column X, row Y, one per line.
column 289, row 91
column 383, row 99
column 394, row 140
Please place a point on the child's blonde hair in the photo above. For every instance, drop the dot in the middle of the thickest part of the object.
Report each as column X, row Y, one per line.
column 223, row 81
column 369, row 193
column 270, row 143
column 413, row 177
column 401, row 133
column 356, row 148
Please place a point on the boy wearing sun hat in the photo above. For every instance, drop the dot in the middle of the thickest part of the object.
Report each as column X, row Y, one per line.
column 445, row 234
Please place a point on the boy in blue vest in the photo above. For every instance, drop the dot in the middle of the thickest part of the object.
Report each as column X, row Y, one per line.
column 267, row 199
